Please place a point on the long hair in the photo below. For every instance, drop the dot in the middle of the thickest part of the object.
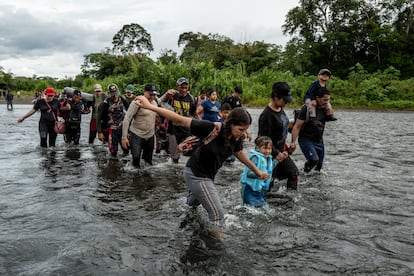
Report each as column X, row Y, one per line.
column 238, row 117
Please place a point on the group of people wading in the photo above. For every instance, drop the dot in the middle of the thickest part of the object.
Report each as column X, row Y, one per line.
column 135, row 123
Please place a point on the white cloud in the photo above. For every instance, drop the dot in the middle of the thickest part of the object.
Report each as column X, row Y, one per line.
column 50, row 38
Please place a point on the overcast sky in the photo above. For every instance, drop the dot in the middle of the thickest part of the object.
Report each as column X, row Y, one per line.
column 50, row 38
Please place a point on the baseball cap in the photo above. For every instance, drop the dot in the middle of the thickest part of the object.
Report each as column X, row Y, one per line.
column 129, row 88
column 325, row 71
column 97, row 87
column 50, row 91
column 281, row 89
column 76, row 92
column 151, row 88
column 182, row 80
column 113, row 89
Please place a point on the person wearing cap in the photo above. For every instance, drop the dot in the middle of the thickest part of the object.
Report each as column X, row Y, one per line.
column 139, row 126
column 234, row 99
column 48, row 107
column 111, row 113
column 75, row 108
column 183, row 103
column 310, row 132
column 98, row 98
column 129, row 94
column 273, row 122
column 323, row 77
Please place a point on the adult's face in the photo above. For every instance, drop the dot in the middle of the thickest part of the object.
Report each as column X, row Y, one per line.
column 49, row 98
column 323, row 100
column 238, row 131
column 183, row 89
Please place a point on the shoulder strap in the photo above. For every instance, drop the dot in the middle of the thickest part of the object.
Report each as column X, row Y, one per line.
column 213, row 134
column 53, row 113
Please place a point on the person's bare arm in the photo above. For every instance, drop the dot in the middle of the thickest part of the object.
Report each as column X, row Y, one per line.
column 144, row 103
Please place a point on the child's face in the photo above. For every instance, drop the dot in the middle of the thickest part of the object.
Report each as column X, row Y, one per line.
column 266, row 149
column 225, row 114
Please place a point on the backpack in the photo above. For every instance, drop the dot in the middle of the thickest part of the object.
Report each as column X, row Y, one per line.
column 292, row 121
column 189, row 145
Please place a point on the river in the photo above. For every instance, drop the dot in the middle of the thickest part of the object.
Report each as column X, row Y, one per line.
column 72, row 211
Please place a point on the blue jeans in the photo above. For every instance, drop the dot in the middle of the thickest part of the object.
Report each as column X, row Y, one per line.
column 252, row 198
column 314, row 153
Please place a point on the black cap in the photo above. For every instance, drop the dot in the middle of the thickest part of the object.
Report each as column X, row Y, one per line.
column 281, row 89
column 76, row 92
column 151, row 88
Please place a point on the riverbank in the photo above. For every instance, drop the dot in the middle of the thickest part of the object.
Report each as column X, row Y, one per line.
column 19, row 100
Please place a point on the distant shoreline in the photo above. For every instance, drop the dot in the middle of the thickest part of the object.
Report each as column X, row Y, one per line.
column 19, row 100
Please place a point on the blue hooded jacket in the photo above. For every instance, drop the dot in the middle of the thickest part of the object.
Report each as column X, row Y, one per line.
column 262, row 163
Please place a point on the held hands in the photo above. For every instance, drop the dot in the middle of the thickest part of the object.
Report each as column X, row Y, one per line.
column 282, row 156
column 262, row 175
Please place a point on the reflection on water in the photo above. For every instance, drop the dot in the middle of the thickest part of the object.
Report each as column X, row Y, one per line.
column 70, row 210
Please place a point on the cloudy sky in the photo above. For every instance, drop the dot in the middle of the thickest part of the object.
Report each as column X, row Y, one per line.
column 50, row 38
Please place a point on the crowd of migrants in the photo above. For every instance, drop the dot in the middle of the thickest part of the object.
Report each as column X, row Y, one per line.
column 210, row 132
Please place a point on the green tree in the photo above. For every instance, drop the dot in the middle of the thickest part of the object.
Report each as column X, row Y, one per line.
column 132, row 38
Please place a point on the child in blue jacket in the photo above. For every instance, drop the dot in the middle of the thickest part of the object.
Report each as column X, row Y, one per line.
column 252, row 190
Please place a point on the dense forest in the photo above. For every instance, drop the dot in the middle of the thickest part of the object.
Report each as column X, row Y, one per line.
column 368, row 46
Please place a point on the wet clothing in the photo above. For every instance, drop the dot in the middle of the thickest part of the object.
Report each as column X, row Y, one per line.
column 139, row 123
column 210, row 110
column 201, row 169
column 233, row 101
column 73, row 122
column 311, row 138
column 252, row 187
column 206, row 160
column 47, row 121
column 275, row 125
column 111, row 113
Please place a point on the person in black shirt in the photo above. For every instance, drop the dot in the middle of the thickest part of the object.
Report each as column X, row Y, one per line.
column 48, row 112
column 273, row 122
column 310, row 132
column 207, row 159
column 234, row 100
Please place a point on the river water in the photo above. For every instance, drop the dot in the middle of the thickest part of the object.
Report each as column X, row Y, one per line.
column 72, row 211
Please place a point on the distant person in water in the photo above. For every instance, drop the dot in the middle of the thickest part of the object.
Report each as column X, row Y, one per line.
column 9, row 98
column 206, row 160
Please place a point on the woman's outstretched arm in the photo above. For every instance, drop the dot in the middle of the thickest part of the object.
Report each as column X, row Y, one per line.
column 170, row 115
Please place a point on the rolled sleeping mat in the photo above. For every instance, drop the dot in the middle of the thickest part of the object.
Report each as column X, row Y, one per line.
column 85, row 96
